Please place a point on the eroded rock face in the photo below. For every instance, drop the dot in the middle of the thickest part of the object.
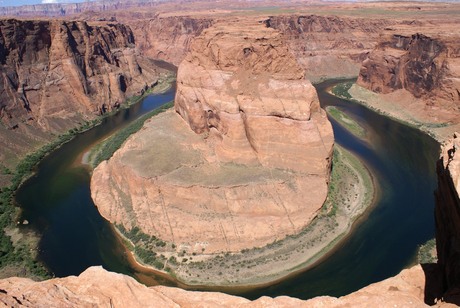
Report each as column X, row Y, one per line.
column 244, row 88
column 447, row 213
column 168, row 38
column 57, row 74
column 329, row 46
column 248, row 162
column 425, row 66
column 97, row 287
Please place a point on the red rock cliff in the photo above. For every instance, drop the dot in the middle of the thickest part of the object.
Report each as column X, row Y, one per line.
column 168, row 38
column 447, row 215
column 329, row 46
column 58, row 74
column 425, row 66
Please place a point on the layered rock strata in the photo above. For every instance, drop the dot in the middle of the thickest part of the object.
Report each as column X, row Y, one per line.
column 58, row 74
column 425, row 66
column 54, row 9
column 97, row 287
column 329, row 46
column 447, row 214
column 248, row 163
column 167, row 38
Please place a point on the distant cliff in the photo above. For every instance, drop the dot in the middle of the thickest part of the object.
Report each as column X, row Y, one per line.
column 56, row 75
column 425, row 66
column 167, row 38
column 329, row 46
column 66, row 9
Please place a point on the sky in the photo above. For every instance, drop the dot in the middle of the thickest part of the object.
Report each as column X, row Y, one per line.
column 26, row 2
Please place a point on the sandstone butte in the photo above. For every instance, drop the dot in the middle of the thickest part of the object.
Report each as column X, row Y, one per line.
column 56, row 75
column 245, row 160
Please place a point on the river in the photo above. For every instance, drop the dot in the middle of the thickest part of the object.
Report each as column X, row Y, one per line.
column 57, row 204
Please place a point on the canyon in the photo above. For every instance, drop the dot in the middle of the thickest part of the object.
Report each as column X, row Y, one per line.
column 224, row 137
column 58, row 75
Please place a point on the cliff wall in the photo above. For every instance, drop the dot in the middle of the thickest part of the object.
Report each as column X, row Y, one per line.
column 329, row 46
column 428, row 67
column 55, row 75
column 447, row 215
column 167, row 38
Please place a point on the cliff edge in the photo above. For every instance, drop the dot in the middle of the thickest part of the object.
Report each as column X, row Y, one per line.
column 97, row 287
column 447, row 215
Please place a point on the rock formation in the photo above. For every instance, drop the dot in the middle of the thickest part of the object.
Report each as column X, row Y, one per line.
column 58, row 74
column 239, row 170
column 329, row 46
column 97, row 287
column 447, row 215
column 425, row 66
column 167, row 38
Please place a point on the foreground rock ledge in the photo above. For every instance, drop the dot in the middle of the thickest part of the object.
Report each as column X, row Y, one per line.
column 248, row 166
column 98, row 287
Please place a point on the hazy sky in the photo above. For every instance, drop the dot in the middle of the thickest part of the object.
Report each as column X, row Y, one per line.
column 24, row 2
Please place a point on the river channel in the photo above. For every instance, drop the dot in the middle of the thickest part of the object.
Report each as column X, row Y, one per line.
column 56, row 201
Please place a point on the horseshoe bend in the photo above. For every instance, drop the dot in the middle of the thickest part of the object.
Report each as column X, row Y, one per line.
column 243, row 183
column 243, row 161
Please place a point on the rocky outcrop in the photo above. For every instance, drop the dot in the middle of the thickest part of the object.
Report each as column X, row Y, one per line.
column 167, row 38
column 425, row 66
column 239, row 171
column 447, row 214
column 97, row 287
column 329, row 46
column 244, row 88
column 56, row 75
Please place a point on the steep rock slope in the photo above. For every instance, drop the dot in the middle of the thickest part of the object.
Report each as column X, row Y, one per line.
column 447, row 214
column 97, row 287
column 167, row 38
column 329, row 46
column 56, row 75
column 427, row 67
column 239, row 172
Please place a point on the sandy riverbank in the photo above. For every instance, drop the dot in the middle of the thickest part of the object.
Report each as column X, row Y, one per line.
column 402, row 106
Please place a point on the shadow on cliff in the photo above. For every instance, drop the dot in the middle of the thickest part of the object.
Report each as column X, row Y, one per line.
column 434, row 287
